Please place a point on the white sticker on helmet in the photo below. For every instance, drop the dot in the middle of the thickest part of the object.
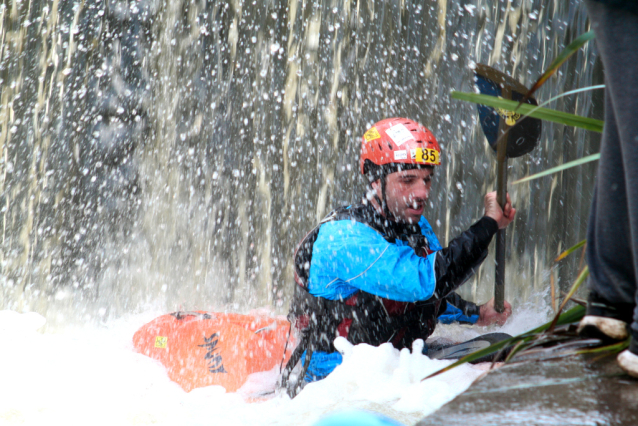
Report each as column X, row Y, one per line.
column 401, row 155
column 399, row 134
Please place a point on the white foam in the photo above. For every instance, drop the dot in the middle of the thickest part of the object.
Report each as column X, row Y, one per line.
column 92, row 375
column 15, row 323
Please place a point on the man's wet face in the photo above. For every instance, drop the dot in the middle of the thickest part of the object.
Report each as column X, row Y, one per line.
column 406, row 193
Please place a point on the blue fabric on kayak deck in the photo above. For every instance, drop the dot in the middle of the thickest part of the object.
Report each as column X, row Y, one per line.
column 357, row 418
column 452, row 314
column 321, row 364
column 349, row 256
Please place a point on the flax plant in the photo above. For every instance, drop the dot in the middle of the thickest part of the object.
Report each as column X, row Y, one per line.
column 556, row 338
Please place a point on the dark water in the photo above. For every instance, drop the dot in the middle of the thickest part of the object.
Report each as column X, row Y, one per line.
column 171, row 154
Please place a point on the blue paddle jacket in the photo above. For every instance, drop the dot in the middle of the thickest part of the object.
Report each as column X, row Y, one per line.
column 372, row 281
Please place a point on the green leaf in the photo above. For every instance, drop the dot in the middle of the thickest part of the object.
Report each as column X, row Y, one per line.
column 520, row 346
column 533, row 111
column 574, row 314
column 615, row 347
column 569, row 165
column 570, row 250
column 581, row 278
column 560, row 60
column 573, row 92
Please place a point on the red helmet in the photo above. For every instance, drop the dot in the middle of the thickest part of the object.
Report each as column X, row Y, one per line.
column 396, row 141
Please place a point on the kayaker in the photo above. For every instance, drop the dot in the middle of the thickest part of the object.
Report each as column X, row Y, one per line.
column 375, row 272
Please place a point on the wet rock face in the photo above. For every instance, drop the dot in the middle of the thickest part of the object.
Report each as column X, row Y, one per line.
column 572, row 391
column 118, row 101
column 84, row 95
column 175, row 152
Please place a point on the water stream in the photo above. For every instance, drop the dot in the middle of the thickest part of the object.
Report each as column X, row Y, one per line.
column 171, row 154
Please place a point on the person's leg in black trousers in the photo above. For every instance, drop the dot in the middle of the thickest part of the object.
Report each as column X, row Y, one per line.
column 612, row 236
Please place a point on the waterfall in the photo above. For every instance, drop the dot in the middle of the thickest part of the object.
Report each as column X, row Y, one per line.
column 171, row 154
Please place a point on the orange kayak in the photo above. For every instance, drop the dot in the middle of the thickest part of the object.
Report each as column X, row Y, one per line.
column 206, row 348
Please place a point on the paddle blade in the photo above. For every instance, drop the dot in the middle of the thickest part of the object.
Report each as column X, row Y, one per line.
column 560, row 60
column 572, row 315
column 523, row 133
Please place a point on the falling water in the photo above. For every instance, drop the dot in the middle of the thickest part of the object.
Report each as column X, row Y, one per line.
column 170, row 154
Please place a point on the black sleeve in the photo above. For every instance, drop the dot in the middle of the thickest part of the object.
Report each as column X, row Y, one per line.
column 468, row 308
column 456, row 263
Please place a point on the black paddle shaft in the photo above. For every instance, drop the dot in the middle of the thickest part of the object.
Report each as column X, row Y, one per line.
column 501, row 197
column 511, row 137
column 499, row 279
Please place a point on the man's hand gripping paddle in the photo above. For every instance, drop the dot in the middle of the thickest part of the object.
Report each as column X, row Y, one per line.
column 511, row 137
